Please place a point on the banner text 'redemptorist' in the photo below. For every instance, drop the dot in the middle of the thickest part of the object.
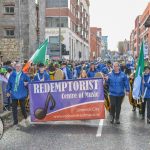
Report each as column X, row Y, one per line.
column 70, row 86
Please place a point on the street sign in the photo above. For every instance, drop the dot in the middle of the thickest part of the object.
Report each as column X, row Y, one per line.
column 145, row 50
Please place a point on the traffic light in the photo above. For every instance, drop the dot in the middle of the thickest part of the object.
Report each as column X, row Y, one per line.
column 63, row 48
column 80, row 55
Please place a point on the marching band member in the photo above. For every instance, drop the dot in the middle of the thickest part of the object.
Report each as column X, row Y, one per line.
column 131, row 100
column 75, row 74
column 51, row 71
column 41, row 75
column 117, row 82
column 92, row 71
column 107, row 68
column 66, row 70
column 146, row 92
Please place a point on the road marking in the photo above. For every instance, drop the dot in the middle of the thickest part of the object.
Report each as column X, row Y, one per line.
column 100, row 127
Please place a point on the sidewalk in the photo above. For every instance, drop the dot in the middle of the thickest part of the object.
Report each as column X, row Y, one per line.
column 8, row 118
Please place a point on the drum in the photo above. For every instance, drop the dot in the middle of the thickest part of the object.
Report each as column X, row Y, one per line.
column 106, row 94
column 98, row 75
column 59, row 75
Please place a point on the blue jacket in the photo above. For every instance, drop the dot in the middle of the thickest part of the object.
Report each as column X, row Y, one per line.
column 117, row 83
column 91, row 74
column 147, row 85
column 39, row 76
column 78, row 68
column 100, row 67
column 128, row 65
column 75, row 75
column 22, row 90
column 69, row 73
column 105, row 70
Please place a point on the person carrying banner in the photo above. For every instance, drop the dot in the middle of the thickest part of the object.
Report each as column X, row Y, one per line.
column 17, row 89
column 117, row 82
column 146, row 93
column 41, row 75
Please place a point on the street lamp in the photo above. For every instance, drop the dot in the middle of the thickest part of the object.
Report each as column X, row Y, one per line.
column 20, row 32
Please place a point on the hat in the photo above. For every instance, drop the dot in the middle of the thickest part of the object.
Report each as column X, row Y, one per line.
column 3, row 70
column 109, row 62
column 41, row 65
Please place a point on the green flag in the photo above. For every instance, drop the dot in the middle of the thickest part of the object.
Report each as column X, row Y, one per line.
column 138, row 75
column 38, row 56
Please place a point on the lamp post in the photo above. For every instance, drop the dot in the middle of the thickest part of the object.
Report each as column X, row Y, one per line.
column 20, row 32
column 60, row 29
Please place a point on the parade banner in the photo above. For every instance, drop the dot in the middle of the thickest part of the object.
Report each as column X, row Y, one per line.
column 81, row 99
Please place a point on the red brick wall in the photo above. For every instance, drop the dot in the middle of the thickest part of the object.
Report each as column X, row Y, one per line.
column 95, row 43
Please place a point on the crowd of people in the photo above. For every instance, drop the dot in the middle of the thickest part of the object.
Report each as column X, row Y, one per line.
column 118, row 77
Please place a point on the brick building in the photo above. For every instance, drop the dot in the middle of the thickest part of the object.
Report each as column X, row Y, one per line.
column 144, row 28
column 132, row 42
column 20, row 28
column 123, row 46
column 142, row 31
column 95, row 42
column 70, row 19
column 137, row 36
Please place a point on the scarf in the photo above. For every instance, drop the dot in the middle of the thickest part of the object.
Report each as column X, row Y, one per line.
column 18, row 75
column 42, row 76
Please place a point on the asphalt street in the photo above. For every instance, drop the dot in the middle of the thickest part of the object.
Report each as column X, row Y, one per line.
column 132, row 134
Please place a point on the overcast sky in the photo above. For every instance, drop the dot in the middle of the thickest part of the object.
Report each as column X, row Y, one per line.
column 116, row 17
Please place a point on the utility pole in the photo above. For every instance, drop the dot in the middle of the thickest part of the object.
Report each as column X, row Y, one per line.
column 60, row 29
column 20, row 49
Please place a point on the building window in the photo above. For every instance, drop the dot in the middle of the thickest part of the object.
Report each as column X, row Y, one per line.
column 53, row 22
column 9, row 32
column 9, row 9
column 56, row 3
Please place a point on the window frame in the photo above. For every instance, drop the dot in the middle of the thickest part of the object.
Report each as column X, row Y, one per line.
column 9, row 7
column 8, row 32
